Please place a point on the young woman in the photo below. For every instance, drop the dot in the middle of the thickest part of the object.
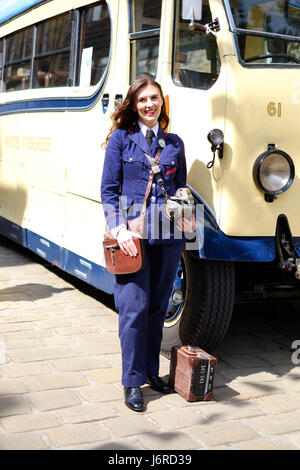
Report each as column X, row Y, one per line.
column 142, row 298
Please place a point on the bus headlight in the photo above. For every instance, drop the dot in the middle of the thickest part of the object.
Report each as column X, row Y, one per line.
column 273, row 171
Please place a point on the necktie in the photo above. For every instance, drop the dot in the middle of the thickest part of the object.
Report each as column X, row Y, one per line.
column 149, row 136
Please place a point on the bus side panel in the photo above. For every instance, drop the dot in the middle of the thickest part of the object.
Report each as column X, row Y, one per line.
column 44, row 149
column 44, row 145
column 47, row 220
column 13, row 191
column 13, row 173
column 85, row 226
column 86, row 131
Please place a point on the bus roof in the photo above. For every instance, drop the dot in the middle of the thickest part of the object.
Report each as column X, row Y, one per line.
column 11, row 8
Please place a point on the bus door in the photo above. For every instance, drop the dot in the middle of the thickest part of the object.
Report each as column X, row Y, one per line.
column 196, row 85
column 193, row 74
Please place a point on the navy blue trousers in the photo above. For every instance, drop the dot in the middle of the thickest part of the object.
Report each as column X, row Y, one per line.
column 142, row 300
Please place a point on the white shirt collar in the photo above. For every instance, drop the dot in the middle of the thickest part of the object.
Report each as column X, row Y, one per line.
column 144, row 128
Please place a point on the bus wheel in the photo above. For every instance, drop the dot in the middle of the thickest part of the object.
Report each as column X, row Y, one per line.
column 200, row 305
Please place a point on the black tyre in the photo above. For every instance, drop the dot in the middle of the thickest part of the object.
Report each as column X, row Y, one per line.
column 201, row 304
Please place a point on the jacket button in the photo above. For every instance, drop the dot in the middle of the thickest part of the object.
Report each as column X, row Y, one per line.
column 153, row 198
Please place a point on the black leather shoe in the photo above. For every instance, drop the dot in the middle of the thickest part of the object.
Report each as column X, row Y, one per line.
column 134, row 398
column 156, row 383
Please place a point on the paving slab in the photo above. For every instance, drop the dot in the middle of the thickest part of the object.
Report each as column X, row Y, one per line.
column 60, row 373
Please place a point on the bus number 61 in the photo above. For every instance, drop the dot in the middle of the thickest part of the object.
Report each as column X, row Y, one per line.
column 274, row 109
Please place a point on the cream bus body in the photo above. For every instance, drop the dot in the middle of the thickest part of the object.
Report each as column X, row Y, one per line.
column 51, row 134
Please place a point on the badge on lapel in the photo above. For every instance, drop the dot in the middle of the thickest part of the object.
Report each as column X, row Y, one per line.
column 162, row 143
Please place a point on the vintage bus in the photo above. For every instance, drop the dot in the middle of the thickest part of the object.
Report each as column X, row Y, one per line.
column 230, row 73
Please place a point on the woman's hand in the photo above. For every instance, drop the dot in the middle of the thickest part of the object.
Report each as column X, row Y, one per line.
column 126, row 243
column 186, row 225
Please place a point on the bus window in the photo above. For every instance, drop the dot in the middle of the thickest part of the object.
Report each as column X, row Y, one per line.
column 18, row 60
column 258, row 19
column 52, row 58
column 144, row 37
column 94, row 44
column 196, row 62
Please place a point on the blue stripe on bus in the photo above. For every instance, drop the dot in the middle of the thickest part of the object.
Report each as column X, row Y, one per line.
column 13, row 231
column 72, row 263
column 217, row 246
column 55, row 104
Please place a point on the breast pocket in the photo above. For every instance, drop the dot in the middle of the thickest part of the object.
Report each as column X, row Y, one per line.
column 169, row 166
column 132, row 166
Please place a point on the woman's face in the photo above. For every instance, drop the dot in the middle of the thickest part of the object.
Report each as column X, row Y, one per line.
column 148, row 103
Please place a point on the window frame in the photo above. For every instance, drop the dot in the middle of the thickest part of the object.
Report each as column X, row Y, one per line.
column 81, row 13
column 18, row 61
column 174, row 43
column 139, row 35
column 1, row 65
column 73, row 49
column 41, row 55
column 240, row 31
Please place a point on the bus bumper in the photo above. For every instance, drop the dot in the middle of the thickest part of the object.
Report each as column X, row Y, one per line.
column 213, row 244
column 283, row 247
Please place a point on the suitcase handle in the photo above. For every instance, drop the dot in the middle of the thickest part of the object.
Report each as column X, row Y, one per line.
column 191, row 350
column 195, row 351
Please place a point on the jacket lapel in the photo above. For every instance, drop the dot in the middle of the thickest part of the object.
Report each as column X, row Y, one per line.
column 156, row 142
column 136, row 135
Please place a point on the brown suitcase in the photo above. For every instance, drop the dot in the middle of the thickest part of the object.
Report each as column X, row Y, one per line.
column 192, row 372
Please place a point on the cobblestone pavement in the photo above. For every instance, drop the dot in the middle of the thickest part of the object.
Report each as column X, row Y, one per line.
column 60, row 370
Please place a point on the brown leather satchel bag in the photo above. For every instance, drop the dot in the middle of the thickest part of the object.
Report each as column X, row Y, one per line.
column 119, row 263
column 116, row 261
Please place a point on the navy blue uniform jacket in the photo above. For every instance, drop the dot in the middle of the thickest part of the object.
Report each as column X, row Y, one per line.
column 126, row 174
